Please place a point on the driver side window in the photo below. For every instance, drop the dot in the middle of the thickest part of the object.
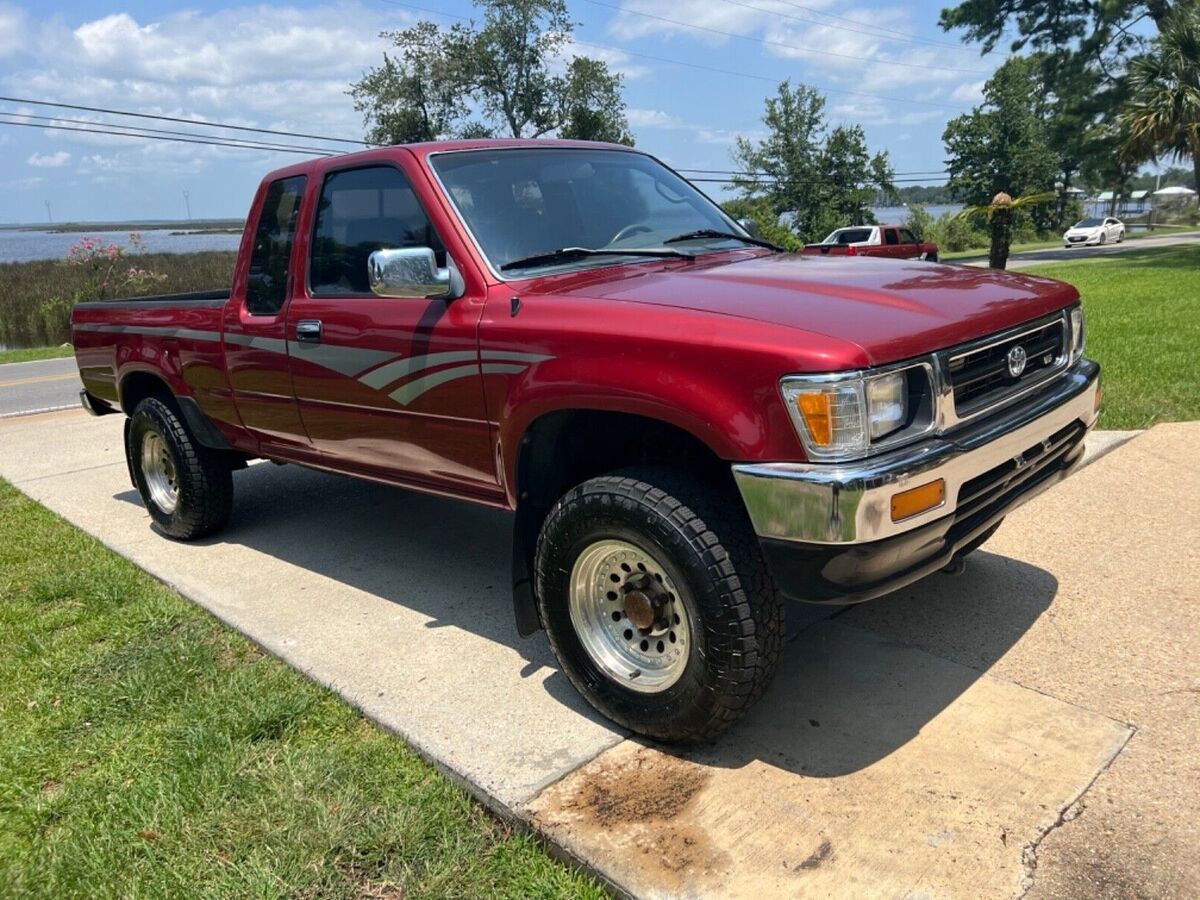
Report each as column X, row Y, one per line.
column 360, row 211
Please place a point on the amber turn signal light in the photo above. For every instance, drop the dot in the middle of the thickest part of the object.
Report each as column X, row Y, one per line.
column 817, row 416
column 907, row 504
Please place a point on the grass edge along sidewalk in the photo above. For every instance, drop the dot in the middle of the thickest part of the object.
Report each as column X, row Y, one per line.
column 146, row 749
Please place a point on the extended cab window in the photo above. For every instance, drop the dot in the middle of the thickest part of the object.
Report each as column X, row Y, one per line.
column 361, row 211
column 889, row 236
column 266, row 286
column 907, row 237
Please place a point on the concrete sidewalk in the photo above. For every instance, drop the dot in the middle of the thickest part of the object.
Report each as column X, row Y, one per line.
column 941, row 742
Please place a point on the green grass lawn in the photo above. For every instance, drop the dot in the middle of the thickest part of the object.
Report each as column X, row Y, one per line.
column 1143, row 327
column 148, row 751
column 31, row 353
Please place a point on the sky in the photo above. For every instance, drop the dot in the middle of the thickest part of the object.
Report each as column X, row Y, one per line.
column 696, row 75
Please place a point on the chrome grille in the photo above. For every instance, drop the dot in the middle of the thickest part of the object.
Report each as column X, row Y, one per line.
column 980, row 375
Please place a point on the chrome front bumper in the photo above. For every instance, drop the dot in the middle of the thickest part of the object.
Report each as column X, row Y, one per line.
column 840, row 504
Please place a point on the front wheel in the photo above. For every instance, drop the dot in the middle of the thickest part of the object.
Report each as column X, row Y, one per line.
column 187, row 488
column 930, row 256
column 658, row 604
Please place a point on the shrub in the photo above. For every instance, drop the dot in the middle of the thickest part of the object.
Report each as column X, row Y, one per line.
column 26, row 286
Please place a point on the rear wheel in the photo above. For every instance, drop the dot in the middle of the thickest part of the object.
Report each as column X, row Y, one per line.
column 657, row 603
column 187, row 488
column 1121, row 236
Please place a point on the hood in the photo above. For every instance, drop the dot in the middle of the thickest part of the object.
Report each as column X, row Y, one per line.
column 892, row 309
column 1091, row 230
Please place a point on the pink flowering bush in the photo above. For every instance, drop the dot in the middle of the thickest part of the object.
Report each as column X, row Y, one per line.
column 109, row 273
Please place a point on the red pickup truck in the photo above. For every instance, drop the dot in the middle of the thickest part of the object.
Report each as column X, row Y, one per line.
column 690, row 426
column 891, row 241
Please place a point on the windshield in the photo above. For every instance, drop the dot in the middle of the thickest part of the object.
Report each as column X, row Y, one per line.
column 1089, row 223
column 524, row 202
column 848, row 236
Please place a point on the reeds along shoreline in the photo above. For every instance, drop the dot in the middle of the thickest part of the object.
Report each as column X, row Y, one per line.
column 36, row 297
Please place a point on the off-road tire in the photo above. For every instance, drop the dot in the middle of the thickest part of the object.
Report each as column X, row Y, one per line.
column 204, row 477
column 702, row 535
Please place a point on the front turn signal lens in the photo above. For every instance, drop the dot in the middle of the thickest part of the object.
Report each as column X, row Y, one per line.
column 907, row 504
column 816, row 412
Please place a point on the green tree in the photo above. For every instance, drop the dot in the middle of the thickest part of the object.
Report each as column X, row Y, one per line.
column 1083, row 49
column 415, row 95
column 500, row 76
column 1001, row 145
column 1065, row 32
column 1162, row 114
column 822, row 177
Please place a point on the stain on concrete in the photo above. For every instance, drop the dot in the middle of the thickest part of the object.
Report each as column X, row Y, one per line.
column 649, row 787
column 818, row 856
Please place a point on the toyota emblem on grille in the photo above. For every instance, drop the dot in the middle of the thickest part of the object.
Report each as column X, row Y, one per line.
column 1016, row 361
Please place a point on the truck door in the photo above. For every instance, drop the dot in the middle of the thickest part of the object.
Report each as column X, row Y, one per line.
column 910, row 247
column 385, row 385
column 254, row 322
column 891, row 242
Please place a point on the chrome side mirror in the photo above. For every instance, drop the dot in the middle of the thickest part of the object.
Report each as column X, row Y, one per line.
column 411, row 272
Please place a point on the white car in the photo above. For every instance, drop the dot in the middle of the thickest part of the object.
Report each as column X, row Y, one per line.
column 1094, row 231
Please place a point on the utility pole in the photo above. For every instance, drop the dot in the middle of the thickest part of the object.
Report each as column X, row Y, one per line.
column 48, row 215
column 187, row 199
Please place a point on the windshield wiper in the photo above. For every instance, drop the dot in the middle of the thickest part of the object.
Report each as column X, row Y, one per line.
column 729, row 235
column 566, row 254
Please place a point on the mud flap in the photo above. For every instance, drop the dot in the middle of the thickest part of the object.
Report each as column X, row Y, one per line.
column 524, row 604
column 129, row 455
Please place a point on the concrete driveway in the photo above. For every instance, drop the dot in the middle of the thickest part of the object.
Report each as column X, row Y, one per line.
column 1027, row 727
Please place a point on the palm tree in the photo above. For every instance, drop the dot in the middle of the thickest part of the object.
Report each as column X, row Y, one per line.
column 999, row 214
column 1162, row 115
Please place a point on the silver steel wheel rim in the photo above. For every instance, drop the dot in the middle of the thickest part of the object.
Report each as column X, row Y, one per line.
column 615, row 585
column 159, row 471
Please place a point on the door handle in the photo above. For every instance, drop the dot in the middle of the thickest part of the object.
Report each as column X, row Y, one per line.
column 308, row 331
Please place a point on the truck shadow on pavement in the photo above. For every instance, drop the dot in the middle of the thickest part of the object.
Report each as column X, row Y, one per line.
column 854, row 685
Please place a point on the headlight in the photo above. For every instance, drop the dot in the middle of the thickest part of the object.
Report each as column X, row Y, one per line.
column 841, row 416
column 1078, row 334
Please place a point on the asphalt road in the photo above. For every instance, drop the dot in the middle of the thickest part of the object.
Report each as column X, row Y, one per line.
column 1058, row 254
column 40, row 386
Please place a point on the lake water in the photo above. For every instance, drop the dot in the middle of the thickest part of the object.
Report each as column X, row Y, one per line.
column 26, row 246
column 895, row 215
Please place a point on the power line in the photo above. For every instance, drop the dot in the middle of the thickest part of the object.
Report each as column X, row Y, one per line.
column 770, row 43
column 137, row 131
column 150, row 137
column 899, row 35
column 701, row 67
column 161, row 118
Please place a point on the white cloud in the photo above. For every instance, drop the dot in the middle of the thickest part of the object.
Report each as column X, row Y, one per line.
column 854, row 50
column 280, row 67
column 49, row 160
column 653, row 118
column 13, row 25
column 969, row 92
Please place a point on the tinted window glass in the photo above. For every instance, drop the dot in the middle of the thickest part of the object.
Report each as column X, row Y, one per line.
column 907, row 237
column 848, row 236
column 266, row 286
column 360, row 211
column 889, row 236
